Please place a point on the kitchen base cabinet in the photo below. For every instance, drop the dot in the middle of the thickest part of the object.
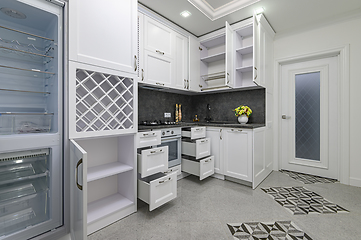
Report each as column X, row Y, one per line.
column 157, row 189
column 103, row 182
column 238, row 154
column 202, row 168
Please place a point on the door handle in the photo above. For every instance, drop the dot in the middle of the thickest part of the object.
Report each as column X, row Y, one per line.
column 76, row 174
column 135, row 63
column 284, row 116
column 142, row 74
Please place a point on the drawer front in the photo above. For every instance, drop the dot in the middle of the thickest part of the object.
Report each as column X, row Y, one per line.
column 198, row 132
column 194, row 133
column 203, row 148
column 206, row 167
column 162, row 190
column 153, row 161
column 146, row 139
column 174, row 169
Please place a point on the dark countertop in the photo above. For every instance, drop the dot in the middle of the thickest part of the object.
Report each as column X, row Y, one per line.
column 211, row 124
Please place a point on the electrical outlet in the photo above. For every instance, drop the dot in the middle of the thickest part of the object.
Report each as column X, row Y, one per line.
column 167, row 115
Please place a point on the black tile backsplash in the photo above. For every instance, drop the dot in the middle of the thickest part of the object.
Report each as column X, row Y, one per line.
column 153, row 104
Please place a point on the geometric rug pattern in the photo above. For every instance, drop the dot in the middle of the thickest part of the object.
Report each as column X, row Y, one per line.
column 274, row 230
column 300, row 201
column 307, row 178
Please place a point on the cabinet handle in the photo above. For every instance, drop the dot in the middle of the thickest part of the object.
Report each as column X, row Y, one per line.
column 187, row 84
column 76, row 174
column 159, row 52
column 208, row 160
column 200, row 86
column 152, row 152
column 165, row 180
column 147, row 134
column 161, row 84
column 238, row 130
column 203, row 141
column 198, row 129
column 142, row 74
column 220, row 134
column 256, row 73
column 135, row 63
column 169, row 171
column 200, row 48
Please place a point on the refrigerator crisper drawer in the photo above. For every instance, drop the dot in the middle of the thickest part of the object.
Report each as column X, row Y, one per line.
column 20, row 124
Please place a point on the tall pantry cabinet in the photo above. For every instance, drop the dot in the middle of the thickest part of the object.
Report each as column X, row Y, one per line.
column 102, row 112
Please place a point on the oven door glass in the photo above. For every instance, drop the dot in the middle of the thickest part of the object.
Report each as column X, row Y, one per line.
column 174, row 155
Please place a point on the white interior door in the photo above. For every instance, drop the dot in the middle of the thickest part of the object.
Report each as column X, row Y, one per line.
column 310, row 129
column 78, row 183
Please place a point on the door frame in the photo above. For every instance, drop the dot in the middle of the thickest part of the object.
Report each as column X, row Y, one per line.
column 343, row 62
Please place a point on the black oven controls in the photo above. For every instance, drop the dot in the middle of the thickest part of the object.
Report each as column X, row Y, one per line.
column 172, row 132
column 163, row 133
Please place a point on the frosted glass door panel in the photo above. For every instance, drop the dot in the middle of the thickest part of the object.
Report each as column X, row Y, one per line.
column 307, row 113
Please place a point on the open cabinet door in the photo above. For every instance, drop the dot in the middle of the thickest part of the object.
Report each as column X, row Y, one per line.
column 256, row 49
column 229, row 55
column 194, row 64
column 78, row 188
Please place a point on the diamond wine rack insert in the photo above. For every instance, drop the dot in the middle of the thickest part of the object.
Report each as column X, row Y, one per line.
column 103, row 101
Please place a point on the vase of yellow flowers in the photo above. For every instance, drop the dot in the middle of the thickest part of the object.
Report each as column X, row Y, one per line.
column 243, row 113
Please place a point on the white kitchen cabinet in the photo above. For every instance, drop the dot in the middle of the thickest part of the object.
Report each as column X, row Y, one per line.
column 157, row 189
column 197, row 149
column 216, row 136
column 194, row 132
column 104, row 33
column 238, row 148
column 102, row 101
column 153, row 160
column 103, row 182
column 157, row 43
column 149, row 138
column 181, row 61
column 193, row 64
column 202, row 168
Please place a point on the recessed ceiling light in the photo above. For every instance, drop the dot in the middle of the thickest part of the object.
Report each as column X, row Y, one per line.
column 259, row 10
column 185, row 14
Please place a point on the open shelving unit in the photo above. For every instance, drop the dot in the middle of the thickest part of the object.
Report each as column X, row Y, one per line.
column 212, row 58
column 111, row 177
column 244, row 56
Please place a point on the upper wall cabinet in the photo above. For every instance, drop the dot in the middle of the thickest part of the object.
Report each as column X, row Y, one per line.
column 104, row 33
column 163, row 55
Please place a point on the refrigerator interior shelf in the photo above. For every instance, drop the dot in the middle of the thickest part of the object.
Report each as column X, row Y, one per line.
column 25, row 55
column 21, row 155
column 29, row 72
column 26, row 33
column 24, row 91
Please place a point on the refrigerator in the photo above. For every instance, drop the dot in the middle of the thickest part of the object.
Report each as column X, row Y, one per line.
column 31, row 118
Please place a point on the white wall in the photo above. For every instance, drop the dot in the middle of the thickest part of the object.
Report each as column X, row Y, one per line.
column 324, row 38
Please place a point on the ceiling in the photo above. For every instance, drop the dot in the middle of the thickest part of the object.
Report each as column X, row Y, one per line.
column 283, row 15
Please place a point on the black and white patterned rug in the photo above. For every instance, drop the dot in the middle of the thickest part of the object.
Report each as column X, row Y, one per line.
column 274, row 230
column 300, row 200
column 307, row 178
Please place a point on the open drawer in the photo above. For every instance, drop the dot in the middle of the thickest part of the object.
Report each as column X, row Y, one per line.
column 147, row 139
column 202, row 168
column 194, row 132
column 152, row 160
column 157, row 189
column 196, row 148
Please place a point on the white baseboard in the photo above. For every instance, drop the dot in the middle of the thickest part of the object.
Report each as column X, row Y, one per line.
column 355, row 182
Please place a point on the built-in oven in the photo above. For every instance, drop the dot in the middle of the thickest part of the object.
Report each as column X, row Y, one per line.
column 171, row 137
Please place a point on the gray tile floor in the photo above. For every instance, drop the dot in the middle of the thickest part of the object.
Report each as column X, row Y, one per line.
column 203, row 209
